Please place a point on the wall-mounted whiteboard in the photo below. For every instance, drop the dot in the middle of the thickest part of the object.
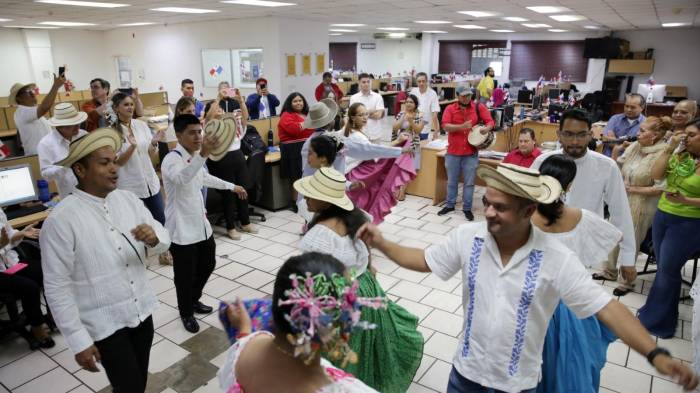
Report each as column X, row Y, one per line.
column 216, row 67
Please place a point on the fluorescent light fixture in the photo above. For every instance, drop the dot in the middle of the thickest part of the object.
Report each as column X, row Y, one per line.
column 31, row 27
column 335, row 34
column 261, row 3
column 5, row 20
column 477, row 14
column 137, row 24
column 82, row 3
column 392, row 28
column 557, row 30
column 675, row 24
column 397, row 35
column 515, row 19
column 348, row 24
column 67, row 24
column 435, row 31
column 433, row 22
column 591, row 27
column 184, row 10
column 343, row 30
column 536, row 25
column 502, row 31
column 545, row 9
column 469, row 27
column 567, row 18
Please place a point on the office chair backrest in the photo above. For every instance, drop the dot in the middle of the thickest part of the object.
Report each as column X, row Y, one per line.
column 256, row 172
column 252, row 142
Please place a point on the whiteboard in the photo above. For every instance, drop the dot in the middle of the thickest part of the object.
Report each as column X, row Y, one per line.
column 216, row 67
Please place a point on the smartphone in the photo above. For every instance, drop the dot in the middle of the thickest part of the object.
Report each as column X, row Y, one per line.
column 128, row 91
column 263, row 86
column 61, row 70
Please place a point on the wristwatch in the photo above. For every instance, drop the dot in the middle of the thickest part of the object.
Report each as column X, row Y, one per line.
column 655, row 352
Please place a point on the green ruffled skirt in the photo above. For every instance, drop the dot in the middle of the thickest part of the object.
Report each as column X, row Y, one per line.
column 389, row 355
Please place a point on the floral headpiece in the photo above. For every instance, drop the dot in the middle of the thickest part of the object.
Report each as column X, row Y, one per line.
column 324, row 312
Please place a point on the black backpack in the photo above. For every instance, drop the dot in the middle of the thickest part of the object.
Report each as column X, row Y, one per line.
column 252, row 142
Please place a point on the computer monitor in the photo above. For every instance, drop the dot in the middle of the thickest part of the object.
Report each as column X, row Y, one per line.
column 449, row 93
column 554, row 94
column 508, row 114
column 525, row 96
column 17, row 185
column 658, row 91
column 536, row 102
column 354, row 88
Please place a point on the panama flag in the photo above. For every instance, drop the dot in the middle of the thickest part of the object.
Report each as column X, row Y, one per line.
column 540, row 81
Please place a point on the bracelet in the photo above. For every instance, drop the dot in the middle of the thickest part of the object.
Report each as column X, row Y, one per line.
column 655, row 352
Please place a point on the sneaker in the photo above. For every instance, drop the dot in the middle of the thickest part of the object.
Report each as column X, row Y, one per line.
column 249, row 228
column 468, row 215
column 445, row 210
column 234, row 234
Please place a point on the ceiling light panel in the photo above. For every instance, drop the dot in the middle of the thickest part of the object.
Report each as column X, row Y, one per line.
column 392, row 28
column 259, row 3
column 567, row 18
column 66, row 24
column 470, row 27
column 434, row 22
column 548, row 9
column 515, row 19
column 342, row 31
column 478, row 14
column 348, row 24
column 184, row 10
column 82, row 3
column 536, row 25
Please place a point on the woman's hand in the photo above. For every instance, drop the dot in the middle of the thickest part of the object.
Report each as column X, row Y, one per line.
column 238, row 317
column 30, row 232
column 131, row 139
column 676, row 197
column 158, row 137
column 676, row 139
column 4, row 238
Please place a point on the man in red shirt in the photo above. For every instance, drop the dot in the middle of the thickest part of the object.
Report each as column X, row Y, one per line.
column 328, row 89
column 527, row 150
column 462, row 158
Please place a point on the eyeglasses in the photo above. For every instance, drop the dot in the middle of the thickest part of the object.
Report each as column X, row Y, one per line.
column 575, row 135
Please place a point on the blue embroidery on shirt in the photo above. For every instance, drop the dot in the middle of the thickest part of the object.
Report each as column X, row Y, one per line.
column 528, row 292
column 471, row 284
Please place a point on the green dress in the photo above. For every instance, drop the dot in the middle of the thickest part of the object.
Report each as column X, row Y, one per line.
column 389, row 355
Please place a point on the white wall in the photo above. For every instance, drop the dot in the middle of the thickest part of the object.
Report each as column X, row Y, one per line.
column 676, row 56
column 392, row 55
column 83, row 52
column 15, row 66
column 309, row 38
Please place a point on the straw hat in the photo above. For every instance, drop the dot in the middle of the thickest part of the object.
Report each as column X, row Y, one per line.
column 321, row 114
column 225, row 130
column 85, row 145
column 12, row 98
column 327, row 185
column 65, row 114
column 520, row 181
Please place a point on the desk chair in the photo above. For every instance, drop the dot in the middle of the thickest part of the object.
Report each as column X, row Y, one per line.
column 256, row 169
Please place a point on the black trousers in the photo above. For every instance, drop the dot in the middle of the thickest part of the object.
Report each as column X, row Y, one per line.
column 25, row 285
column 192, row 264
column 125, row 357
column 232, row 168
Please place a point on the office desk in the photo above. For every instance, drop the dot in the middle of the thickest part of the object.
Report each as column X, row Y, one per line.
column 8, row 133
column 20, row 222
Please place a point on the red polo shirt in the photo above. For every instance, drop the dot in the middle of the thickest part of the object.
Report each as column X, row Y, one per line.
column 517, row 158
column 454, row 114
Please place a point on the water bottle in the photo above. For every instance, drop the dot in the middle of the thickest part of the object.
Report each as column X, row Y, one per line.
column 44, row 194
column 522, row 112
column 270, row 139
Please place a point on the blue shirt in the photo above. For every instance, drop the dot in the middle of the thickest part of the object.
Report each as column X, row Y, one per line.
column 198, row 108
column 621, row 127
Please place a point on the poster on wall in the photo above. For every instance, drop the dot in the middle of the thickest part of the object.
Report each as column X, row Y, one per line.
column 250, row 66
column 306, row 64
column 320, row 63
column 216, row 66
column 291, row 65
column 124, row 71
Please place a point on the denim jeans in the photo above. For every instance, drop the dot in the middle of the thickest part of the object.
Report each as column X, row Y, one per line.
column 466, row 166
column 458, row 384
column 675, row 240
column 154, row 204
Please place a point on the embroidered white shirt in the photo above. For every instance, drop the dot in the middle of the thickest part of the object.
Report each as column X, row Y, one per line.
column 137, row 174
column 94, row 270
column 598, row 182
column 31, row 129
column 371, row 101
column 507, row 309
column 52, row 149
column 352, row 253
column 185, row 213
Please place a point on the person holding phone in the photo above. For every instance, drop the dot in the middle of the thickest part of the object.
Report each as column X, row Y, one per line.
column 675, row 229
column 229, row 100
column 262, row 104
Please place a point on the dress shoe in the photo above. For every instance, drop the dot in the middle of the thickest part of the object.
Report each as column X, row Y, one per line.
column 190, row 324
column 201, row 308
column 234, row 234
column 249, row 229
column 445, row 210
column 468, row 215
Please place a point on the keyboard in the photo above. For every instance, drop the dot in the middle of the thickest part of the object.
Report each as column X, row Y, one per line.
column 22, row 211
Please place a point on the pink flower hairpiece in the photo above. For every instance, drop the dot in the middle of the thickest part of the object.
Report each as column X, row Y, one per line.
column 324, row 312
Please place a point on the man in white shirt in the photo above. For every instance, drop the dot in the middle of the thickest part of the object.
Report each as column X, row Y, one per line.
column 514, row 276
column 428, row 104
column 193, row 247
column 374, row 103
column 598, row 182
column 29, row 117
column 54, row 147
column 93, row 249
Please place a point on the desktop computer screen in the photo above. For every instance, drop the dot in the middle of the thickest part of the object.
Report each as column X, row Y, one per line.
column 354, row 88
column 449, row 93
column 536, row 103
column 658, row 91
column 508, row 114
column 554, row 94
column 525, row 96
column 16, row 185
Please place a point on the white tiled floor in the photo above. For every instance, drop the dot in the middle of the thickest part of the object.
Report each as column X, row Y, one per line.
column 246, row 269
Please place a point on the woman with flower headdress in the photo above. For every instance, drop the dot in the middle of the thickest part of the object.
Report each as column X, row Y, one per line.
column 391, row 353
column 314, row 307
column 574, row 349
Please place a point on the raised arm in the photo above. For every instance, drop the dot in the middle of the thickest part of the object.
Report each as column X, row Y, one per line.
column 45, row 106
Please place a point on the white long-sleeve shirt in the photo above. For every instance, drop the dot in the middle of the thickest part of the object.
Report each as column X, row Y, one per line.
column 51, row 149
column 598, row 182
column 185, row 212
column 94, row 270
column 363, row 150
column 137, row 174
